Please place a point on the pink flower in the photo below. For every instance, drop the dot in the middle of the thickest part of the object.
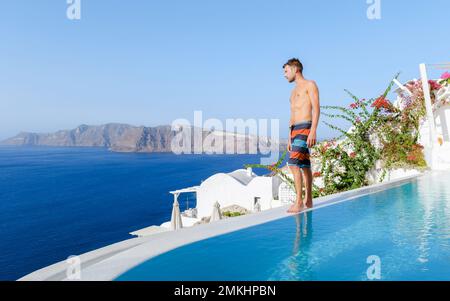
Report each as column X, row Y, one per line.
column 353, row 105
column 352, row 155
column 434, row 85
column 411, row 157
column 445, row 75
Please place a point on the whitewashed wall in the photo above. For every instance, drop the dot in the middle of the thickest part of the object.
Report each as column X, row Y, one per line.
column 228, row 191
column 441, row 152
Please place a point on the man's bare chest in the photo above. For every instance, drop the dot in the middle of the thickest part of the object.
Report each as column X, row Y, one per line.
column 299, row 97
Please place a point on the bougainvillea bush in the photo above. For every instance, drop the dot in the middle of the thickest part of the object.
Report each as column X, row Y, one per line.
column 381, row 134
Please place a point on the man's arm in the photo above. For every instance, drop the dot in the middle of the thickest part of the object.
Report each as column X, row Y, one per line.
column 289, row 136
column 291, row 122
column 313, row 92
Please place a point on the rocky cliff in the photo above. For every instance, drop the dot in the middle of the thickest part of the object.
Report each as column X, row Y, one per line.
column 127, row 138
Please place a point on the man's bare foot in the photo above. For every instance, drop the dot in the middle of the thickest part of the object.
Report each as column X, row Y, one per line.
column 296, row 208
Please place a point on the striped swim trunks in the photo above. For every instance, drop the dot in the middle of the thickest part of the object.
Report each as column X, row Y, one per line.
column 299, row 154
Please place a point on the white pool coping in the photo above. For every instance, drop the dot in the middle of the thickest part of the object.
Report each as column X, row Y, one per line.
column 109, row 262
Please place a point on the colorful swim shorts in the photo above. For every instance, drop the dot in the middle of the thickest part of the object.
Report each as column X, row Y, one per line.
column 299, row 154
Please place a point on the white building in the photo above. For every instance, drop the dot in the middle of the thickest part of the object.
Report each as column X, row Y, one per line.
column 438, row 150
column 241, row 187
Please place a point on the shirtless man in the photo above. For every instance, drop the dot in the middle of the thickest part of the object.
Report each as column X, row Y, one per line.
column 305, row 111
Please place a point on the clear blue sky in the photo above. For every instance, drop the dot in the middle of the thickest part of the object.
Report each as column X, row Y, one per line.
column 150, row 62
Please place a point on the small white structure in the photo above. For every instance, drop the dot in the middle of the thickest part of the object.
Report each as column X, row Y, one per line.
column 175, row 221
column 216, row 214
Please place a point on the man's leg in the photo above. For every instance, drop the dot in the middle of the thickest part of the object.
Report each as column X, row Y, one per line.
column 308, row 183
column 298, row 204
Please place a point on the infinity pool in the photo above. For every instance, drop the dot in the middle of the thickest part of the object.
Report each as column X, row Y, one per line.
column 402, row 233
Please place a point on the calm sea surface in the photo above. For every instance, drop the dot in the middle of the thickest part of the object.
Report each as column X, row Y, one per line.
column 57, row 202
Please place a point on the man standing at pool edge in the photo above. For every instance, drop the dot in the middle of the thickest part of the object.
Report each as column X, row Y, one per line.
column 305, row 112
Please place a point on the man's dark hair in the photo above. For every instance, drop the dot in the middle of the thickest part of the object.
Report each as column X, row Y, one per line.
column 294, row 62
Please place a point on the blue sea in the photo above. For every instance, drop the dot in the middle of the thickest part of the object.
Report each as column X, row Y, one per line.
column 57, row 202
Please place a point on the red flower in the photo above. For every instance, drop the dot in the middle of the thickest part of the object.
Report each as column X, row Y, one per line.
column 353, row 154
column 382, row 102
column 411, row 157
column 353, row 105
column 317, row 174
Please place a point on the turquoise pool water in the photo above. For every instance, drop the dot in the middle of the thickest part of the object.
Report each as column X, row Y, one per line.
column 406, row 228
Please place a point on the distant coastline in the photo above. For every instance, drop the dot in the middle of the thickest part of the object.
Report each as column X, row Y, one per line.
column 120, row 137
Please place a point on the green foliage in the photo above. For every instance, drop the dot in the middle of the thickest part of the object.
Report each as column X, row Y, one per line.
column 276, row 170
column 344, row 165
column 398, row 132
column 232, row 213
